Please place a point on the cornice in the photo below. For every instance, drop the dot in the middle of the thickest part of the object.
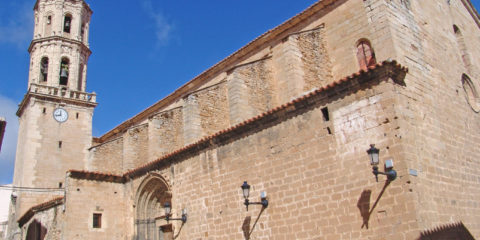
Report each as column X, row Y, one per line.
column 85, row 5
column 58, row 38
column 473, row 12
column 52, row 98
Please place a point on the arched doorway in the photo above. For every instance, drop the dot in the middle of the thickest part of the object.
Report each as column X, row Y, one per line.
column 36, row 231
column 152, row 194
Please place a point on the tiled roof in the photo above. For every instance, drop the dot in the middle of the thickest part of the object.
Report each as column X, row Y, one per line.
column 452, row 231
column 37, row 208
column 97, row 176
column 388, row 68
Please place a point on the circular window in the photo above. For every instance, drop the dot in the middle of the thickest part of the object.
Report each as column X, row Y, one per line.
column 471, row 93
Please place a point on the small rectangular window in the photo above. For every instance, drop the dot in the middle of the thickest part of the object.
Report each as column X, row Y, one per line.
column 59, row 144
column 325, row 114
column 97, row 220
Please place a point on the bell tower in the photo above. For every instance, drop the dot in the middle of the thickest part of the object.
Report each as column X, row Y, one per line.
column 55, row 115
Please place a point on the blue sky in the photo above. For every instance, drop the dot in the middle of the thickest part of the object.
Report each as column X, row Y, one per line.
column 142, row 51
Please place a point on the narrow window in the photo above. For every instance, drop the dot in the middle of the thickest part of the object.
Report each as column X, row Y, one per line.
column 44, row 110
column 44, row 69
column 48, row 26
column 326, row 118
column 77, row 115
column 97, row 220
column 59, row 144
column 365, row 54
column 82, row 32
column 60, row 185
column 463, row 47
column 64, row 70
column 67, row 24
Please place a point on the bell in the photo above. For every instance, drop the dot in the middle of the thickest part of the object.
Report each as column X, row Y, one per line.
column 64, row 73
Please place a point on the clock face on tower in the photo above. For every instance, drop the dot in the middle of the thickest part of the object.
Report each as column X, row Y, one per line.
column 60, row 115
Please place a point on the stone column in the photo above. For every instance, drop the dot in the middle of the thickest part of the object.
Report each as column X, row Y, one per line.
column 239, row 109
column 289, row 74
column 191, row 120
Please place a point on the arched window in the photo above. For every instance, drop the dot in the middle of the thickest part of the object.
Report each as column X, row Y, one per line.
column 64, row 71
column 67, row 23
column 365, row 54
column 463, row 47
column 44, row 69
column 471, row 93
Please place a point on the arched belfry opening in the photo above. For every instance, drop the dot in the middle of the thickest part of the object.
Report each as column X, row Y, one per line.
column 64, row 71
column 151, row 196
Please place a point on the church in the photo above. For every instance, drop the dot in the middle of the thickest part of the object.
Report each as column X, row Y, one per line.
column 347, row 121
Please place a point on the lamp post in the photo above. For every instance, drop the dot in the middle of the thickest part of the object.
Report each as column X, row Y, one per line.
column 373, row 155
column 246, row 193
column 168, row 211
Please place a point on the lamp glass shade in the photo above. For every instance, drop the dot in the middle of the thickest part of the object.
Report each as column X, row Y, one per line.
column 246, row 190
column 373, row 154
column 168, row 208
column 263, row 195
column 184, row 211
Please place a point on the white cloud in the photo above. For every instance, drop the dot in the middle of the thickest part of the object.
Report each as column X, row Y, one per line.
column 163, row 28
column 8, row 109
column 16, row 27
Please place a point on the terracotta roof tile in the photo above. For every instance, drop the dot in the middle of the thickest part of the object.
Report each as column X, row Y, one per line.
column 37, row 208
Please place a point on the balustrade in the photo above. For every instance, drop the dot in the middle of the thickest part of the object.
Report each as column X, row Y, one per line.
column 63, row 92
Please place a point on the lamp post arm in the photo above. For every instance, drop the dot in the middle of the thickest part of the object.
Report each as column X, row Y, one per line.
column 183, row 218
column 264, row 203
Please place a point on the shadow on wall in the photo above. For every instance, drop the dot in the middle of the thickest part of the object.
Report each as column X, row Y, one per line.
column 363, row 203
column 247, row 232
column 454, row 231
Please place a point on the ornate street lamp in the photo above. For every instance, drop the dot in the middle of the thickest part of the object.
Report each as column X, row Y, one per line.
column 246, row 193
column 373, row 155
column 168, row 211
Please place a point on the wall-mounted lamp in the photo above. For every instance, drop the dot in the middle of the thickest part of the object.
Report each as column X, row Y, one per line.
column 373, row 155
column 246, row 193
column 168, row 211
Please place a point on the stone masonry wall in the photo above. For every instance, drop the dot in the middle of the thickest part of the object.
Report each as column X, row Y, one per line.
column 442, row 132
column 84, row 198
column 165, row 133
column 52, row 219
column 316, row 62
column 107, row 157
column 319, row 184
column 135, row 147
column 213, row 106
column 257, row 77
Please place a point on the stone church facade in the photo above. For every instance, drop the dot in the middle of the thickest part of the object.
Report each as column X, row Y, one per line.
column 292, row 113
